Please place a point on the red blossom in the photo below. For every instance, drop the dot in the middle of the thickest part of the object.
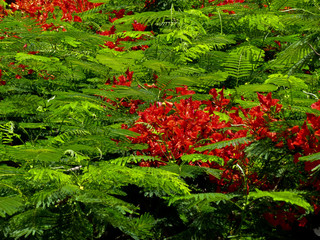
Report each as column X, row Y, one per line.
column 1, row 81
column 278, row 43
column 138, row 26
column 33, row 52
column 184, row 91
column 316, row 105
column 108, row 32
column 40, row 9
column 77, row 19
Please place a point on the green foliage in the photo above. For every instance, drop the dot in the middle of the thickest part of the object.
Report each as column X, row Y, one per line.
column 203, row 158
column 68, row 169
column 10, row 205
column 284, row 196
column 196, row 199
column 223, row 144
column 312, row 157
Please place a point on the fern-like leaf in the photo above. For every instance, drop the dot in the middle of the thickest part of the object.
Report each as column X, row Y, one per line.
column 311, row 157
column 10, row 205
column 195, row 199
column 283, row 196
column 222, row 144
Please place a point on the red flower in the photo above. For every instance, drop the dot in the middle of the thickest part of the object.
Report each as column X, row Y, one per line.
column 77, row 19
column 184, row 91
column 138, row 26
column 108, row 33
column 267, row 102
column 316, row 105
column 33, row 52
column 278, row 43
column 1, row 81
column 110, row 44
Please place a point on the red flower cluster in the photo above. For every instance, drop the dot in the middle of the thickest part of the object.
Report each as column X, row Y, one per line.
column 119, row 14
column 285, row 218
column 149, row 4
column 174, row 129
column 108, row 32
column 136, row 27
column 40, row 9
column 116, row 45
column 22, row 70
column 122, row 80
column 227, row 11
column 2, row 82
column 6, row 34
column 3, row 12
column 225, row 2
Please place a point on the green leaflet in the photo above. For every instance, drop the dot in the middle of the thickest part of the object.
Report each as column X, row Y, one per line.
column 38, row 154
column 212, row 78
column 46, row 175
column 195, row 199
column 222, row 144
column 286, row 81
column 262, row 22
column 202, row 157
column 252, row 88
column 23, row 56
column 237, row 65
column 159, row 181
column 10, row 205
column 283, row 196
column 311, row 157
column 123, row 132
column 48, row 197
column 188, row 171
column 122, row 161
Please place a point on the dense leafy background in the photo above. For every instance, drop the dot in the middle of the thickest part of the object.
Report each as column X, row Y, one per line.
column 159, row 119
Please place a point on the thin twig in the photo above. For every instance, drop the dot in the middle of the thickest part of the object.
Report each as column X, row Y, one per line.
column 315, row 96
column 314, row 50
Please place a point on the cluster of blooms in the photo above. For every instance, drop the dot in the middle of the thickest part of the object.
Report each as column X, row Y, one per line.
column 119, row 14
column 40, row 9
column 229, row 11
column 3, row 12
column 225, row 2
column 2, row 82
column 6, row 34
column 174, row 129
column 22, row 70
column 149, row 4
column 123, row 80
column 116, row 44
column 133, row 104
column 285, row 219
column 186, row 126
